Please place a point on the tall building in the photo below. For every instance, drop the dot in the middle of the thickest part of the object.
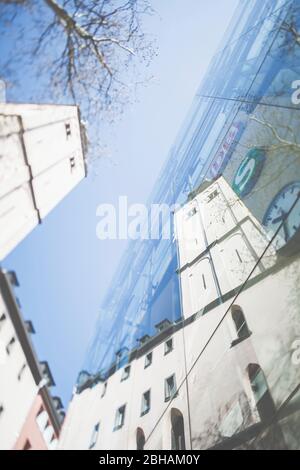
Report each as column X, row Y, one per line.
column 30, row 417
column 198, row 342
column 42, row 160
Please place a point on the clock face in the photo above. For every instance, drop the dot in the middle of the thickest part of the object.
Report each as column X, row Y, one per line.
column 283, row 215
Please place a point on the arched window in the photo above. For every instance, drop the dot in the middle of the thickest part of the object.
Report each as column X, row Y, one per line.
column 240, row 323
column 177, row 430
column 140, row 439
column 263, row 399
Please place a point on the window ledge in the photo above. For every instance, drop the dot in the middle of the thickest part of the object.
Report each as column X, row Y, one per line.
column 171, row 397
column 168, row 352
column 239, row 340
column 143, row 413
column 116, row 428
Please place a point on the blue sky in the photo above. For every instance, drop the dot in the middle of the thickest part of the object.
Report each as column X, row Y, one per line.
column 63, row 269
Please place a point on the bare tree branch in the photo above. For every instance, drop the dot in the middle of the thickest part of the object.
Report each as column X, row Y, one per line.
column 291, row 28
column 86, row 50
column 275, row 133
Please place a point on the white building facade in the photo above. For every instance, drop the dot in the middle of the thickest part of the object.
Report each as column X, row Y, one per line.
column 42, row 160
column 208, row 381
column 30, row 418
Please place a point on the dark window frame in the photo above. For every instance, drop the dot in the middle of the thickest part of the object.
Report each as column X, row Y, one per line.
column 94, row 436
column 68, row 130
column 104, row 389
column 10, row 345
column 145, row 410
column 242, row 330
column 118, row 412
column 150, row 354
column 171, row 394
column 126, row 373
column 21, row 372
column 168, row 348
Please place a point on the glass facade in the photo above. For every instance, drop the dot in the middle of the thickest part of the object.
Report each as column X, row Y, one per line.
column 244, row 126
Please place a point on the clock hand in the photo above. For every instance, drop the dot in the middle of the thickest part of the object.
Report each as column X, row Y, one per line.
column 284, row 225
column 278, row 219
column 286, row 230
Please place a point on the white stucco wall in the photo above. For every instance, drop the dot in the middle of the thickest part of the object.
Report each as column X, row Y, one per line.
column 36, row 145
column 16, row 396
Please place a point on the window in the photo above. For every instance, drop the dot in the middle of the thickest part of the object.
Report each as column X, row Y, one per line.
column 126, row 373
column 104, row 389
column 212, row 195
column 170, row 387
column 163, row 325
column 1, row 410
column 168, row 346
column 177, row 430
column 240, row 323
column 46, row 373
column 148, row 360
column 48, row 433
column 120, row 417
column 145, row 403
column 94, row 436
column 29, row 327
column 20, row 374
column 121, row 357
column 10, row 345
column 263, row 399
column 68, row 129
column 42, row 419
column 192, row 212
column 72, row 163
column 2, row 320
column 140, row 439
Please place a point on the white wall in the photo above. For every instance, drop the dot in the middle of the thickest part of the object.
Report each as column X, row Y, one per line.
column 87, row 408
column 16, row 396
column 35, row 144
column 17, row 218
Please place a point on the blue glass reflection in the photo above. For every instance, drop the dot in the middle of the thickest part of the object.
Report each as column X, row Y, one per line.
column 252, row 71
